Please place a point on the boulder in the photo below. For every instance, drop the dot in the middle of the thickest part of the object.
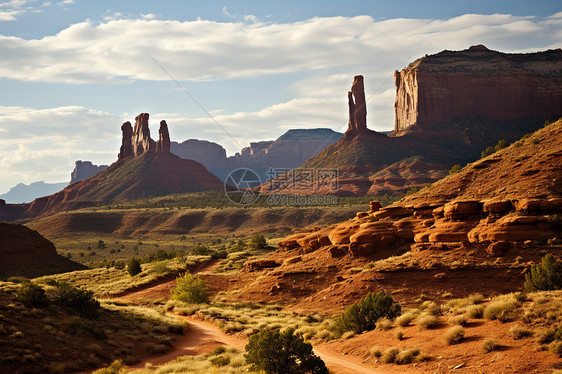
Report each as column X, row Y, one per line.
column 394, row 211
column 499, row 207
column 528, row 205
column 260, row 264
column 457, row 210
column 341, row 233
column 498, row 249
column 374, row 206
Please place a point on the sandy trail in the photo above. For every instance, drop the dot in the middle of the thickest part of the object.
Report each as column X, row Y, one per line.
column 203, row 337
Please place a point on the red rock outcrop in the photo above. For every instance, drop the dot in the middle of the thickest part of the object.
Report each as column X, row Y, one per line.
column 478, row 82
column 358, row 107
column 127, row 141
column 163, row 144
column 142, row 142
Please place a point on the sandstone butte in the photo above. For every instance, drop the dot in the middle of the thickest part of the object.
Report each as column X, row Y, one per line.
column 144, row 168
column 448, row 108
column 457, row 231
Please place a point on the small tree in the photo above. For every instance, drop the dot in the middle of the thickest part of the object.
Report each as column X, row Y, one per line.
column 282, row 353
column 502, row 143
column 258, row 242
column 134, row 266
column 363, row 316
column 190, row 290
column 545, row 276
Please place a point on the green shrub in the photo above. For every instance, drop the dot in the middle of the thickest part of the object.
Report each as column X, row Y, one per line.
column 454, row 335
column 502, row 143
column 134, row 267
column 31, row 295
column 282, row 353
column 545, row 276
column 190, row 290
column 488, row 151
column 455, row 169
column 489, row 345
column 364, row 315
column 76, row 299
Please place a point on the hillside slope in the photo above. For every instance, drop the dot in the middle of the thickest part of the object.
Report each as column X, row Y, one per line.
column 24, row 252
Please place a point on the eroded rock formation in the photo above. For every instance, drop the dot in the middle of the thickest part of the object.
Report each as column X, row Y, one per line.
column 163, row 144
column 137, row 141
column 357, row 107
column 84, row 170
column 478, row 82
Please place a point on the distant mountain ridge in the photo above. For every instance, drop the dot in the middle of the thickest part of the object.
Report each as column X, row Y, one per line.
column 25, row 193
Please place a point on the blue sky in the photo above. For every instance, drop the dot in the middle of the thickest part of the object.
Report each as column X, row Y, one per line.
column 72, row 71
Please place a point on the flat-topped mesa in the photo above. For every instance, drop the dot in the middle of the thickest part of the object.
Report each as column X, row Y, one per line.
column 163, row 144
column 357, row 107
column 478, row 82
column 138, row 141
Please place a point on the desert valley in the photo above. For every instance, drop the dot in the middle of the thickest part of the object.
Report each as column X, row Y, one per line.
column 433, row 247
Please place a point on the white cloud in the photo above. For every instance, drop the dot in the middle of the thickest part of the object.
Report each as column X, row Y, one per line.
column 66, row 2
column 200, row 50
column 9, row 15
column 43, row 144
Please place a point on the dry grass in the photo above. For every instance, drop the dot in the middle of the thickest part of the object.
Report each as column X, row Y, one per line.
column 427, row 322
column 490, row 345
column 454, row 335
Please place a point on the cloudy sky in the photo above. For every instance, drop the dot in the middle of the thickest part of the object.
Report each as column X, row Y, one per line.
column 72, row 71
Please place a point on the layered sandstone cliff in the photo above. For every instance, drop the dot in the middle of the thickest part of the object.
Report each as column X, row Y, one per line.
column 137, row 141
column 478, row 82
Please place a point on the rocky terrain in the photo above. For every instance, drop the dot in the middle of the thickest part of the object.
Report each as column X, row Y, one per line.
column 145, row 168
column 373, row 163
column 84, row 170
column 462, row 235
column 24, row 252
column 478, row 81
column 286, row 152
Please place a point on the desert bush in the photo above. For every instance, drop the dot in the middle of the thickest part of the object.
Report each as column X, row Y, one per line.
column 518, row 332
column 363, row 315
column 558, row 334
column 384, row 323
column 134, row 267
column 455, row 169
column 430, row 307
column 475, row 311
column 114, row 368
column 427, row 321
column 347, row 335
column 488, row 151
column 282, row 353
column 556, row 347
column 405, row 319
column 454, row 335
column 407, row 356
column 502, row 143
column 545, row 276
column 460, row 320
column 220, row 361
column 423, row 357
column 375, row 352
column 399, row 335
column 545, row 336
column 500, row 310
column 489, row 345
column 389, row 355
column 190, row 290
column 521, row 296
column 258, row 242
column 476, row 298
column 76, row 299
column 31, row 295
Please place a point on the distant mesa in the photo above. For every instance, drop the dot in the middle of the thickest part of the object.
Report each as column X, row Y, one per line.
column 478, row 82
column 286, row 152
column 24, row 252
column 144, row 168
column 84, row 170
column 449, row 107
